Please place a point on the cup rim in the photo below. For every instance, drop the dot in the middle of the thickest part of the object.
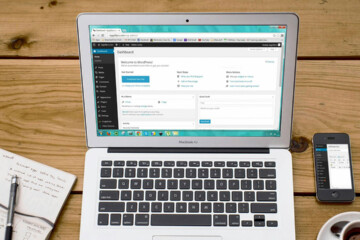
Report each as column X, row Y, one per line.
column 347, row 226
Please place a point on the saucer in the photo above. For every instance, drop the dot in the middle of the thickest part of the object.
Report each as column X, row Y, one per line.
column 326, row 234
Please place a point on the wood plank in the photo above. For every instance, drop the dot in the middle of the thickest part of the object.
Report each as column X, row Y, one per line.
column 307, row 228
column 47, row 28
column 41, row 112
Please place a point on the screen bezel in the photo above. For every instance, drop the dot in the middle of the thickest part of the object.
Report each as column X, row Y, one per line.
column 289, row 19
column 329, row 195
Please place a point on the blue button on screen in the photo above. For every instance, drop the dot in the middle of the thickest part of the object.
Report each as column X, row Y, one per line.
column 135, row 79
column 205, row 121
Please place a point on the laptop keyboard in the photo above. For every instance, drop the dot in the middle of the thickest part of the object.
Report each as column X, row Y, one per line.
column 187, row 193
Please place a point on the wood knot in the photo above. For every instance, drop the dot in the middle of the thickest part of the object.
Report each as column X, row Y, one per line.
column 17, row 42
column 299, row 144
column 52, row 3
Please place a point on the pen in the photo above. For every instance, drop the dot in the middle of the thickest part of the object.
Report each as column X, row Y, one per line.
column 10, row 216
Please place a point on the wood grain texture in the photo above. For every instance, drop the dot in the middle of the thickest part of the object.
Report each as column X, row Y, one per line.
column 309, row 217
column 41, row 112
column 48, row 28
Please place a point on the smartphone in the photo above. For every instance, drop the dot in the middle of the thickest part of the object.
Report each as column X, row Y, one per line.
column 333, row 167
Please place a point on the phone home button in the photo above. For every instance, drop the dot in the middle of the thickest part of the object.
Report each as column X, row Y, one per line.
column 335, row 194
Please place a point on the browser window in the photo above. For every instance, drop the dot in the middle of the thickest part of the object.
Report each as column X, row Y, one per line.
column 188, row 80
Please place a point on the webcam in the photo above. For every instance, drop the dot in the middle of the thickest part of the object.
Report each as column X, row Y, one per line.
column 187, row 20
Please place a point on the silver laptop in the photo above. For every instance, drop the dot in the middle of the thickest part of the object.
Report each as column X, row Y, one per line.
column 188, row 123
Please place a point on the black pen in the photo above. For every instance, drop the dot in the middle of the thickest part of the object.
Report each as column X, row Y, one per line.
column 12, row 200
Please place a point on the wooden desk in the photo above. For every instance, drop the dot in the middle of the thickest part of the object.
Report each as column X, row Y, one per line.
column 41, row 104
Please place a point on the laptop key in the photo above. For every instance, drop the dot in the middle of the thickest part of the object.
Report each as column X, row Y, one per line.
column 270, row 164
column 246, row 223
column 227, row 173
column 272, row 223
column 246, row 184
column 179, row 173
column 196, row 184
column 144, row 163
column 230, row 207
column 138, row 195
column 221, row 184
column 103, row 219
column 109, row 195
column 180, row 207
column 212, row 196
column 188, row 196
column 194, row 207
column 267, row 173
column 142, row 219
column 181, row 220
column 119, row 163
column 219, row 164
column 244, row 164
column 257, row 164
column 264, row 208
column 175, row 195
column 130, row 172
column 105, row 172
column 191, row 173
column 131, row 163
column 234, row 220
column 249, row 196
column 206, row 164
column 203, row 173
column 224, row 196
column 184, row 184
column 168, row 207
column 181, row 164
column 215, row 173
column 123, row 183
column 106, row 163
column 206, row 207
column 131, row 207
column 144, row 207
column 237, row 196
column 220, row 220
column 135, row 184
column 163, row 195
column 148, row 184
column 126, row 195
column 150, row 195
column 252, row 173
column 156, row 207
column 234, row 184
column 266, row 196
column 115, row 219
column 172, row 184
column 194, row 164
column 142, row 172
column 209, row 184
column 154, row 172
column 166, row 173
column 111, row 207
column 156, row 163
column 231, row 164
column 128, row 219
column 169, row 163
column 259, row 220
column 258, row 184
column 218, row 207
column 160, row 184
column 118, row 172
column 200, row 196
column 108, row 184
column 270, row 185
column 239, row 173
column 243, row 208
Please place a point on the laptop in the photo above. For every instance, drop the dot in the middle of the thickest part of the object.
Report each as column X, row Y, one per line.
column 188, row 122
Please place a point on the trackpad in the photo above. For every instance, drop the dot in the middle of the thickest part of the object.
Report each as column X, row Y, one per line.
column 169, row 237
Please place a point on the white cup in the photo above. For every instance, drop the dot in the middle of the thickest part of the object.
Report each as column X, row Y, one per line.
column 348, row 227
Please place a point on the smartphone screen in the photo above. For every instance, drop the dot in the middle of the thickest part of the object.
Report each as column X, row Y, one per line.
column 333, row 164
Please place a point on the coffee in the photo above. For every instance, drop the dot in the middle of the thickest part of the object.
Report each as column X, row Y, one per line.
column 353, row 234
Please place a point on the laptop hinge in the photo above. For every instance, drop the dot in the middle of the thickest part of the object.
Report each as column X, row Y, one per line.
column 188, row 150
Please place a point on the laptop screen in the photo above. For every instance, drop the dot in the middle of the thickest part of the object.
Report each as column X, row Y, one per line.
column 157, row 80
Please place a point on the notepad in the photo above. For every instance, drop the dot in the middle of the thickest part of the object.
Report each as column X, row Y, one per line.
column 41, row 195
